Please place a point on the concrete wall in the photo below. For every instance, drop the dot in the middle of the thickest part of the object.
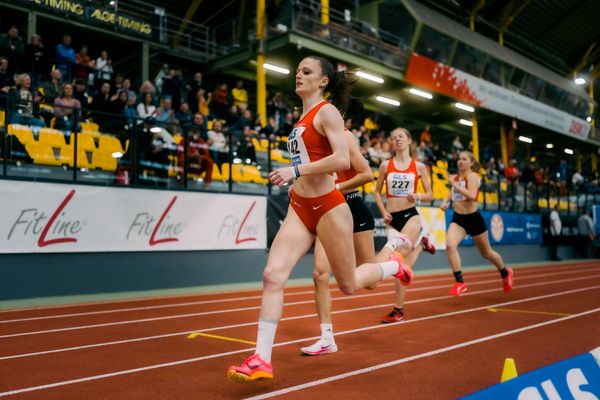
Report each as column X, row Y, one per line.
column 25, row 276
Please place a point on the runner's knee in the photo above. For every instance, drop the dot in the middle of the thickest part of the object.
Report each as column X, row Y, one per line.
column 273, row 278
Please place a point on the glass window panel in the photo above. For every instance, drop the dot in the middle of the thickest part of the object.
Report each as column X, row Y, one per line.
column 532, row 86
column 551, row 95
column 569, row 103
column 468, row 59
column 497, row 72
column 434, row 45
column 517, row 80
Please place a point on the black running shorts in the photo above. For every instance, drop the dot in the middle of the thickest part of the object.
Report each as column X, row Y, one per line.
column 473, row 223
column 363, row 219
column 400, row 218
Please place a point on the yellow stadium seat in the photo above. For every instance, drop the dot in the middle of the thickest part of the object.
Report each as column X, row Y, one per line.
column 22, row 132
column 209, row 124
column 42, row 153
column 85, row 158
column 225, row 171
column 252, row 174
column 104, row 160
column 2, row 118
column 52, row 137
column 110, row 143
column 237, row 173
column 85, row 141
column 216, row 174
column 89, row 127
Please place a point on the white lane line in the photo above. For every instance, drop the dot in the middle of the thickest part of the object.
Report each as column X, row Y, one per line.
column 177, row 316
column 522, row 270
column 418, row 356
column 155, row 307
column 218, row 355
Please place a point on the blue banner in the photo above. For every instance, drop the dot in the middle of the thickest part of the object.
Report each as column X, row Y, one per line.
column 596, row 216
column 507, row 228
column 574, row 378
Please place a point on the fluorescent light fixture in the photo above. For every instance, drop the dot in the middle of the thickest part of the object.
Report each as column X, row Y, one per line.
column 549, row 146
column 155, row 129
column 525, row 139
column 579, row 81
column 420, row 93
column 117, row 154
column 388, row 101
column 589, row 119
column 464, row 107
column 465, row 122
column 275, row 68
column 369, row 77
column 568, row 151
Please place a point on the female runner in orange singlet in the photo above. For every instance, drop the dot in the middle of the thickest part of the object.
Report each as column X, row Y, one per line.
column 401, row 175
column 318, row 148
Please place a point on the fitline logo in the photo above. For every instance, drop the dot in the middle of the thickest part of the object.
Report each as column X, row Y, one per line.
column 237, row 236
column 153, row 241
column 42, row 242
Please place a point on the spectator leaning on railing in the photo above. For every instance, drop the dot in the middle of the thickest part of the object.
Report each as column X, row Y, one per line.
column 66, row 110
column 22, row 109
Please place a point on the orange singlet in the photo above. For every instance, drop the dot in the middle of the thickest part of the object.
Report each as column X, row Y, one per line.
column 305, row 145
column 401, row 183
column 456, row 195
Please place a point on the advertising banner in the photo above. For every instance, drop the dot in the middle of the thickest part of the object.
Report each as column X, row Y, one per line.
column 42, row 217
column 430, row 74
column 575, row 378
column 507, row 228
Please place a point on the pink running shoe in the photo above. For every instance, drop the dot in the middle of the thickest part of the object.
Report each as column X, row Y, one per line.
column 404, row 274
column 427, row 245
column 253, row 368
column 458, row 288
column 508, row 280
column 393, row 316
column 320, row 347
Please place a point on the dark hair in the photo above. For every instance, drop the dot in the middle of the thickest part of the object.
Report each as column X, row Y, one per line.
column 338, row 86
column 354, row 109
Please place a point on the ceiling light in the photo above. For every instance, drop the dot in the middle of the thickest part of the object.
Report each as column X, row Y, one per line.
column 464, row 107
column 549, row 146
column 387, row 101
column 579, row 81
column 568, row 151
column 525, row 139
column 369, row 77
column 465, row 122
column 421, row 93
column 275, row 68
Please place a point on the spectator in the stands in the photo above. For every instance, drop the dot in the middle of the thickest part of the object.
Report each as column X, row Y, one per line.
column 156, row 145
column 81, row 94
column 127, row 87
column 104, row 69
column 6, row 81
column 376, row 153
column 198, row 158
column 172, row 86
column 202, row 103
column 35, row 61
column 199, row 124
column 66, row 110
column 118, row 102
column 239, row 94
column 246, row 150
column 13, row 48
column 364, row 150
column 193, row 96
column 165, row 115
column 453, row 163
column 219, row 101
column 49, row 90
column 278, row 108
column 101, row 105
column 117, row 84
column 217, row 142
column 457, row 146
column 512, row 175
column 147, row 108
column 184, row 118
column 426, row 135
column 130, row 114
column 487, row 153
column 577, row 180
column 22, row 109
column 84, row 65
column 287, row 126
column 245, row 120
column 65, row 58
column 145, row 88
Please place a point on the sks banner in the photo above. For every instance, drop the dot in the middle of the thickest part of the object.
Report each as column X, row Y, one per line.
column 51, row 218
column 574, row 378
column 507, row 228
column 427, row 73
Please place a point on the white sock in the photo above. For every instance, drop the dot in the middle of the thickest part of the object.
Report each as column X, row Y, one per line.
column 327, row 332
column 400, row 241
column 388, row 268
column 265, row 339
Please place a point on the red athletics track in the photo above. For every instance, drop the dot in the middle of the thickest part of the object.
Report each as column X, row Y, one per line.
column 447, row 347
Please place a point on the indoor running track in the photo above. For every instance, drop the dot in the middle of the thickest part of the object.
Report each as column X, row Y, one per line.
column 180, row 347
